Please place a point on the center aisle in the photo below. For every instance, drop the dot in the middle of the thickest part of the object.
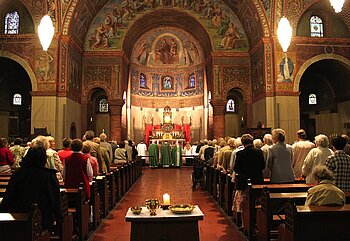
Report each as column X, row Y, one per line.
column 177, row 182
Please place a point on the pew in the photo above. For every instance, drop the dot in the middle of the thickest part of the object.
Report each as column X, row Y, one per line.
column 104, row 195
column 253, row 192
column 112, row 201
column 95, row 204
column 116, row 174
column 79, row 207
column 228, row 192
column 221, row 189
column 22, row 226
column 321, row 223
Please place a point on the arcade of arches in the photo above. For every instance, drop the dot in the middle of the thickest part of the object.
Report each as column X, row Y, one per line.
column 117, row 64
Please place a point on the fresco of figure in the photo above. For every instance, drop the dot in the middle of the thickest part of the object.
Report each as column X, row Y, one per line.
column 110, row 26
column 217, row 18
column 164, row 52
column 143, row 54
column 286, row 69
column 191, row 53
column 101, row 39
column 230, row 37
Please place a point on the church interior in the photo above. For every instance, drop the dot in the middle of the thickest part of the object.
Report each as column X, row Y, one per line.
column 218, row 65
column 174, row 71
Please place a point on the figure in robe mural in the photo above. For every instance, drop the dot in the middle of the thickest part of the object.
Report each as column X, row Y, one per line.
column 286, row 69
column 230, row 37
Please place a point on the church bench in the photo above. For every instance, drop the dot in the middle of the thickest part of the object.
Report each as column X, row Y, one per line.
column 221, row 191
column 79, row 207
column 228, row 192
column 216, row 184
column 22, row 226
column 95, row 204
column 253, row 192
column 321, row 223
column 103, row 190
column 116, row 173
column 112, row 201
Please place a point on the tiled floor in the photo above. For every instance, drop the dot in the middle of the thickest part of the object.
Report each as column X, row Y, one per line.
column 177, row 182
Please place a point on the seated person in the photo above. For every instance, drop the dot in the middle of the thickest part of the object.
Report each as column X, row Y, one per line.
column 325, row 192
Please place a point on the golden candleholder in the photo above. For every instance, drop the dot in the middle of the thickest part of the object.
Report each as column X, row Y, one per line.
column 152, row 205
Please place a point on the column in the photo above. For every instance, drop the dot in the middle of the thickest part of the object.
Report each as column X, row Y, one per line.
column 218, row 117
column 116, row 120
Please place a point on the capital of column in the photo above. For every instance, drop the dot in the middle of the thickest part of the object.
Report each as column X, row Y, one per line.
column 218, row 107
column 115, row 107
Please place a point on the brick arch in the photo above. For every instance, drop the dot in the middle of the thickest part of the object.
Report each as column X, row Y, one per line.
column 24, row 65
column 89, row 89
column 315, row 59
column 244, row 89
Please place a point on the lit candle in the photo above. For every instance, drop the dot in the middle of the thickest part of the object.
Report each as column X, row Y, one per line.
column 166, row 199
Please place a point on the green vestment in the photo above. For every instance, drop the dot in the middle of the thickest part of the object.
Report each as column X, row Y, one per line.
column 165, row 154
column 153, row 153
column 176, row 154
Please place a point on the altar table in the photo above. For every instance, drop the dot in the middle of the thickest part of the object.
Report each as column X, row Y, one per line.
column 165, row 226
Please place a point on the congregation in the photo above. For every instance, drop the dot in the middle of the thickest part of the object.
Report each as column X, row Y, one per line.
column 39, row 166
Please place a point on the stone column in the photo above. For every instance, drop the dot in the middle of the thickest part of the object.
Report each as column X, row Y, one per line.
column 218, row 118
column 116, row 120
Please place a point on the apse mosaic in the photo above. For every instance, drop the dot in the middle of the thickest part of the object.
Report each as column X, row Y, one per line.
column 111, row 24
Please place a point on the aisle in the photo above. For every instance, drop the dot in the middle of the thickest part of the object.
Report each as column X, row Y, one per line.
column 177, row 182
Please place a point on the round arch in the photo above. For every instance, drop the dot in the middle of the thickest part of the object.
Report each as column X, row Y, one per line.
column 314, row 59
column 247, row 97
column 25, row 66
column 89, row 90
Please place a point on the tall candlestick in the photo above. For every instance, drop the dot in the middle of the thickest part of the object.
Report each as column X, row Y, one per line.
column 166, row 199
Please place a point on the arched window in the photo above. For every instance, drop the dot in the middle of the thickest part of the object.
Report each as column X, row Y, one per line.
column 17, row 99
column 103, row 105
column 143, row 81
column 316, row 26
column 312, row 99
column 230, row 106
column 11, row 23
column 191, row 81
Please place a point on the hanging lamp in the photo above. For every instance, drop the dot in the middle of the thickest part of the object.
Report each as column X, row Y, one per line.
column 337, row 5
column 46, row 32
column 284, row 33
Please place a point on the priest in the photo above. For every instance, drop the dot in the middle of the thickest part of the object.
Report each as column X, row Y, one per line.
column 153, row 153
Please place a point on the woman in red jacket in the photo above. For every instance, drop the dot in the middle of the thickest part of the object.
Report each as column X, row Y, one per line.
column 6, row 158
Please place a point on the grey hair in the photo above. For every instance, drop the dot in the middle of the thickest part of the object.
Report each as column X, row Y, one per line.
column 322, row 140
column 321, row 173
column 268, row 139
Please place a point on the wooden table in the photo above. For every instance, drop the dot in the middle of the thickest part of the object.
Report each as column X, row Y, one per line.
column 165, row 226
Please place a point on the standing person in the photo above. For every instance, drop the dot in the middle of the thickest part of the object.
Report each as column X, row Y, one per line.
column 279, row 159
column 165, row 154
column 339, row 163
column 153, row 152
column 6, row 158
column 32, row 183
column 128, row 148
column 176, row 154
column 95, row 148
column 249, row 164
column 93, row 161
column 66, row 151
column 317, row 156
column 76, row 168
column 54, row 158
column 142, row 151
column 17, row 152
column 188, row 153
column 325, row 192
column 105, row 156
column 120, row 153
column 300, row 149
column 105, row 144
column 265, row 149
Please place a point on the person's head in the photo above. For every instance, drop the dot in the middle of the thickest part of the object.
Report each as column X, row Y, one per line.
column 205, row 142
column 89, row 135
column 51, row 141
column 257, row 143
column 268, row 139
column 76, row 145
column 338, row 142
column 238, row 141
column 3, row 142
column 247, row 139
column 231, row 142
column 278, row 135
column 103, row 137
column 66, row 142
column 86, row 149
column 322, row 140
column 222, row 143
column 321, row 173
column 346, row 138
column 97, row 140
column 40, row 141
column 18, row 141
column 35, row 157
column 121, row 144
column 130, row 142
column 301, row 134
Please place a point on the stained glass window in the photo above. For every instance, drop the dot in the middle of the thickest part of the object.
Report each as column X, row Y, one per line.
column 17, row 99
column 11, row 23
column 230, row 105
column 103, row 106
column 143, row 81
column 192, row 81
column 316, row 26
column 312, row 99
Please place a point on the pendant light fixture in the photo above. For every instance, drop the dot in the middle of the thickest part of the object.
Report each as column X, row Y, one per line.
column 284, row 33
column 46, row 32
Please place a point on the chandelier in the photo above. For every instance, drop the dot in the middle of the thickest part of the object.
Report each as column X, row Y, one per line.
column 337, row 5
column 284, row 33
column 45, row 31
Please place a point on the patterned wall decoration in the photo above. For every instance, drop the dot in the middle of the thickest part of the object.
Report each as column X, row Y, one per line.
column 110, row 25
column 258, row 80
column 74, row 69
column 97, row 73
column 45, row 67
column 267, row 6
column 68, row 16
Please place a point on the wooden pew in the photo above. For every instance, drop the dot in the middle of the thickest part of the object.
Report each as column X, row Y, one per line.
column 216, row 184
column 22, row 226
column 271, row 213
column 253, row 192
column 95, row 204
column 79, row 206
column 221, row 191
column 112, row 200
column 228, row 192
column 116, row 173
column 321, row 223
column 102, row 187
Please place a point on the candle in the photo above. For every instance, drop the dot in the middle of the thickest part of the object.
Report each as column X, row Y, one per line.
column 166, row 199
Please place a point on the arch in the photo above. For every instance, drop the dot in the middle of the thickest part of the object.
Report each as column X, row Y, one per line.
column 25, row 66
column 89, row 89
column 245, row 91
column 314, row 59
